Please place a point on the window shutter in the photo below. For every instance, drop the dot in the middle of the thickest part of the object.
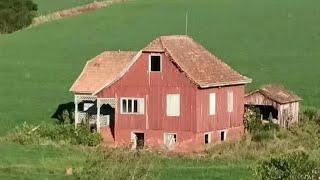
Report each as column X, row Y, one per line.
column 173, row 105
column 141, row 106
column 212, row 103
column 230, row 101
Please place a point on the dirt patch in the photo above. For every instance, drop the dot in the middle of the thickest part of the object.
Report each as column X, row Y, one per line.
column 74, row 11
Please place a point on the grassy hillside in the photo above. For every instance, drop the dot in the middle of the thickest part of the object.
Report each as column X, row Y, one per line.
column 268, row 40
column 37, row 162
column 49, row 6
column 50, row 162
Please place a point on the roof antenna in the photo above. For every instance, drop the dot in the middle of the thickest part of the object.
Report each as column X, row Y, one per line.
column 187, row 23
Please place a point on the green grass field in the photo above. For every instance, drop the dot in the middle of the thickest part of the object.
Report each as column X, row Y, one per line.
column 37, row 162
column 49, row 6
column 49, row 162
column 270, row 41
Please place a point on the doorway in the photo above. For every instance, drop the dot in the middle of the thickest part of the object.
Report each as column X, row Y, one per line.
column 138, row 140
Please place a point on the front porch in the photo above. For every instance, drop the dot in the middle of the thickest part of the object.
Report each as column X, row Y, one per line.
column 97, row 112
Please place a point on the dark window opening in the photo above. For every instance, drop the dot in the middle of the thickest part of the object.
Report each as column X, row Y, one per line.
column 155, row 65
column 135, row 106
column 206, row 139
column 175, row 138
column 223, row 134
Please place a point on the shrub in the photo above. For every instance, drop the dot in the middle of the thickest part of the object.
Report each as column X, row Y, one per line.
column 252, row 119
column 259, row 131
column 288, row 166
column 16, row 14
column 29, row 134
column 310, row 114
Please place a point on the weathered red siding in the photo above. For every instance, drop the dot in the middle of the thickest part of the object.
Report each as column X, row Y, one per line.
column 222, row 119
column 194, row 117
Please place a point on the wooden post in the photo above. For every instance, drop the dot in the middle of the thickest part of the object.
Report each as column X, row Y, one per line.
column 76, row 113
column 98, row 115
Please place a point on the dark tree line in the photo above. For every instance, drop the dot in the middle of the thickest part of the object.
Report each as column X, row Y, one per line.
column 16, row 14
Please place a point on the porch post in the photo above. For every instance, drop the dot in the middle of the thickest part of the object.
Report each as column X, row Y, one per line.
column 98, row 115
column 76, row 113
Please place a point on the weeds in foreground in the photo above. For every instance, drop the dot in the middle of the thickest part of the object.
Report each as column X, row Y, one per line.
column 53, row 134
column 119, row 164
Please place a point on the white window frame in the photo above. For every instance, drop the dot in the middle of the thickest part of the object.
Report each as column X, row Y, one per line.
column 230, row 101
column 212, row 104
column 225, row 135
column 209, row 137
column 165, row 135
column 140, row 105
column 170, row 110
column 155, row 54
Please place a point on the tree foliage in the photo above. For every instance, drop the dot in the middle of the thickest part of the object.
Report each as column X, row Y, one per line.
column 16, row 14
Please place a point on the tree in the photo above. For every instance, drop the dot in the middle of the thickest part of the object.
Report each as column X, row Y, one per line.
column 16, row 14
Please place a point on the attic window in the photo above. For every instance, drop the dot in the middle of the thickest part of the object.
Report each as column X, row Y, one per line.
column 155, row 63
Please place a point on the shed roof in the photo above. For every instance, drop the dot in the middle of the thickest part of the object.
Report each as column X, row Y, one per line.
column 102, row 70
column 277, row 93
column 199, row 65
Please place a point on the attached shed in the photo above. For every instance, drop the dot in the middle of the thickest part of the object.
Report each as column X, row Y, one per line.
column 277, row 101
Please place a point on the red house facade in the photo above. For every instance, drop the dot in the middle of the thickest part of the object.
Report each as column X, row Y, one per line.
column 173, row 94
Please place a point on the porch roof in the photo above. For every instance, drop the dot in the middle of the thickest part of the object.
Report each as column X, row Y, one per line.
column 101, row 70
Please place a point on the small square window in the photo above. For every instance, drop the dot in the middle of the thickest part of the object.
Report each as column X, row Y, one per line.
column 170, row 139
column 223, row 135
column 155, row 63
column 207, row 138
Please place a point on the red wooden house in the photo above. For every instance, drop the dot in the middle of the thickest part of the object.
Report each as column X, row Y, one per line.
column 173, row 94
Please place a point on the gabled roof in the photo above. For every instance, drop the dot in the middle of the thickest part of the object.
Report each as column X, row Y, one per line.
column 202, row 67
column 277, row 93
column 102, row 70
